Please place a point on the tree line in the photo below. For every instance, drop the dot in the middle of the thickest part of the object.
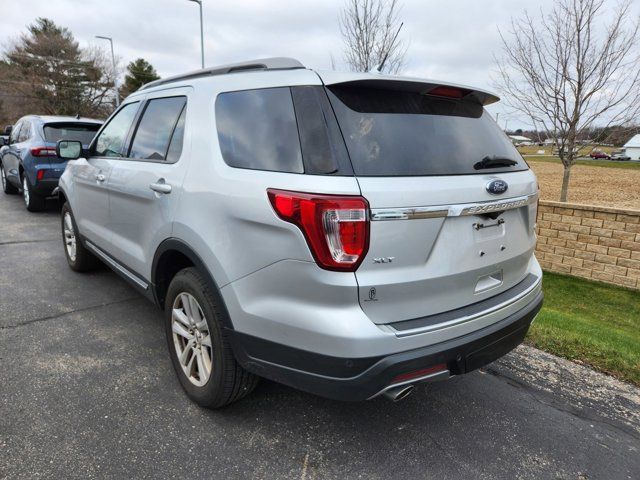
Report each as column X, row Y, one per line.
column 46, row 71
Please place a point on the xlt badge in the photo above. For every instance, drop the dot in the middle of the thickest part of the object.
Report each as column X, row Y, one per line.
column 384, row 259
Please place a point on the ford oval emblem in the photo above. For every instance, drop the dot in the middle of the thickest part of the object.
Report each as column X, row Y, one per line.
column 497, row 186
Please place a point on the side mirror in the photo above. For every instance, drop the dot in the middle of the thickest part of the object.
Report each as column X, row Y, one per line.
column 69, row 149
column 8, row 129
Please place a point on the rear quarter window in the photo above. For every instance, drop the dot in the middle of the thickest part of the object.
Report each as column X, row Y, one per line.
column 257, row 130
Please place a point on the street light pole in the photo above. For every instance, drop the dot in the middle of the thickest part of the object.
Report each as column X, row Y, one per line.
column 113, row 62
column 199, row 2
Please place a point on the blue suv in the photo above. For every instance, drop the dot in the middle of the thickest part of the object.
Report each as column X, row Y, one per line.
column 29, row 162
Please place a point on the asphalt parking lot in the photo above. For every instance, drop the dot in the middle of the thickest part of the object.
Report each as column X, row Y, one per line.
column 87, row 390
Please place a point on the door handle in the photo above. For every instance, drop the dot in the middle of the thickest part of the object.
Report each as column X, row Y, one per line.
column 100, row 177
column 160, row 187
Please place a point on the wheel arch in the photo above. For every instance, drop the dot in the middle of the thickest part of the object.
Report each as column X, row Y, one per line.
column 62, row 197
column 171, row 256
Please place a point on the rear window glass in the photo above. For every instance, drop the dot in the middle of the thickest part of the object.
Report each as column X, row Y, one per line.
column 156, row 128
column 257, row 130
column 398, row 133
column 81, row 133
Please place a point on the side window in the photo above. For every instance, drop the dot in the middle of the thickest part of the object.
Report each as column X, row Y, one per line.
column 154, row 132
column 15, row 133
column 110, row 142
column 257, row 130
column 175, row 146
column 323, row 149
column 25, row 132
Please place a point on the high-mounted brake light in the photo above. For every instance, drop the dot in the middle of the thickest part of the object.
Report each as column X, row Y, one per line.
column 43, row 151
column 449, row 92
column 336, row 227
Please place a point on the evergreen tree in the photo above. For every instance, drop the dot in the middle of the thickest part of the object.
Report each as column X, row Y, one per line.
column 139, row 72
column 46, row 72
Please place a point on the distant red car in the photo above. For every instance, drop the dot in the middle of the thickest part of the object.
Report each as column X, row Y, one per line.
column 599, row 154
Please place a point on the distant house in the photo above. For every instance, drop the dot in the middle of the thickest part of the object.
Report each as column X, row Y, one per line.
column 632, row 147
column 520, row 140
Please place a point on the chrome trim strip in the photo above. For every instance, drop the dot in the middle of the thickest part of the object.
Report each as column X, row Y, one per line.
column 441, row 211
column 112, row 263
column 432, row 377
column 532, row 289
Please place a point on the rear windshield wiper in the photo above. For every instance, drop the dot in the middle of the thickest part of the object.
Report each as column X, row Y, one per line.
column 493, row 162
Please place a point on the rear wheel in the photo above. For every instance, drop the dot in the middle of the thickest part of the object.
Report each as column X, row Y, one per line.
column 32, row 201
column 200, row 352
column 78, row 257
column 6, row 186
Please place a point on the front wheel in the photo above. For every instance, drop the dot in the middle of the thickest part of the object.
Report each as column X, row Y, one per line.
column 6, row 186
column 200, row 352
column 78, row 257
column 32, row 201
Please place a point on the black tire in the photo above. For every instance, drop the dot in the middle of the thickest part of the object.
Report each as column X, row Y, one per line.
column 33, row 201
column 6, row 186
column 84, row 260
column 228, row 381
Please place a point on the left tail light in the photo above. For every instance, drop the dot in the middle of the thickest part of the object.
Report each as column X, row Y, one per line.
column 336, row 227
column 43, row 151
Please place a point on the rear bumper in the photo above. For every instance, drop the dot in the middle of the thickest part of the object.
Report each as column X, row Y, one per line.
column 45, row 186
column 355, row 379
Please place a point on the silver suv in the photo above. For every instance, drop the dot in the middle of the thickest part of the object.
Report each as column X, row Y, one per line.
column 347, row 234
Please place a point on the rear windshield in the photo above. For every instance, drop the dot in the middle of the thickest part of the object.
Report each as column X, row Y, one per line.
column 73, row 131
column 400, row 133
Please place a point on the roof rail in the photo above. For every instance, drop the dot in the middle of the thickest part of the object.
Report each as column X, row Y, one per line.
column 275, row 63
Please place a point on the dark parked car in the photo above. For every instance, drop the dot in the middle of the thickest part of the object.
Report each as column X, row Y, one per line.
column 4, row 136
column 29, row 162
column 600, row 154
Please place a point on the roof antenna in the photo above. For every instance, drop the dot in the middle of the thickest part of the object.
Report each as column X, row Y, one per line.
column 379, row 68
column 77, row 116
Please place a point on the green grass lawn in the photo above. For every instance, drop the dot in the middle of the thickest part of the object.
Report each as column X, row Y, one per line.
column 591, row 163
column 592, row 322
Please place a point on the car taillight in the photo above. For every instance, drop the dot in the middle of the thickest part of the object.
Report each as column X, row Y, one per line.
column 43, row 151
column 40, row 174
column 449, row 92
column 441, row 367
column 336, row 227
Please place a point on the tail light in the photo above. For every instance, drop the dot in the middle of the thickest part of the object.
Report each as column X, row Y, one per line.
column 40, row 174
column 43, row 151
column 448, row 92
column 441, row 367
column 336, row 227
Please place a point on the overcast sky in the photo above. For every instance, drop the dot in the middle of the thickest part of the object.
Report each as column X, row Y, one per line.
column 451, row 40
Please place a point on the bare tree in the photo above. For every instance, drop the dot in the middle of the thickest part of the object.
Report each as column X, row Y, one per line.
column 569, row 70
column 369, row 29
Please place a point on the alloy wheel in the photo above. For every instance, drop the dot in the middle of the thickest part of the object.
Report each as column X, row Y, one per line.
column 191, row 339
column 69, row 237
column 25, row 191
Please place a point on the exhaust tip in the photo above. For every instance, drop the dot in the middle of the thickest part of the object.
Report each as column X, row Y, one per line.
column 399, row 393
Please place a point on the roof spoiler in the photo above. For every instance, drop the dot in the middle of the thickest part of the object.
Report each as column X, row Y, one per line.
column 408, row 84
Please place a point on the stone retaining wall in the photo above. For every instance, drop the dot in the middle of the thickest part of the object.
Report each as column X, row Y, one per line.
column 599, row 243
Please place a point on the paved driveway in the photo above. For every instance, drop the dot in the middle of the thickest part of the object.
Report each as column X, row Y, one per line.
column 87, row 390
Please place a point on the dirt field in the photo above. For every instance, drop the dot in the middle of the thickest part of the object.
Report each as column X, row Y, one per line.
column 611, row 187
